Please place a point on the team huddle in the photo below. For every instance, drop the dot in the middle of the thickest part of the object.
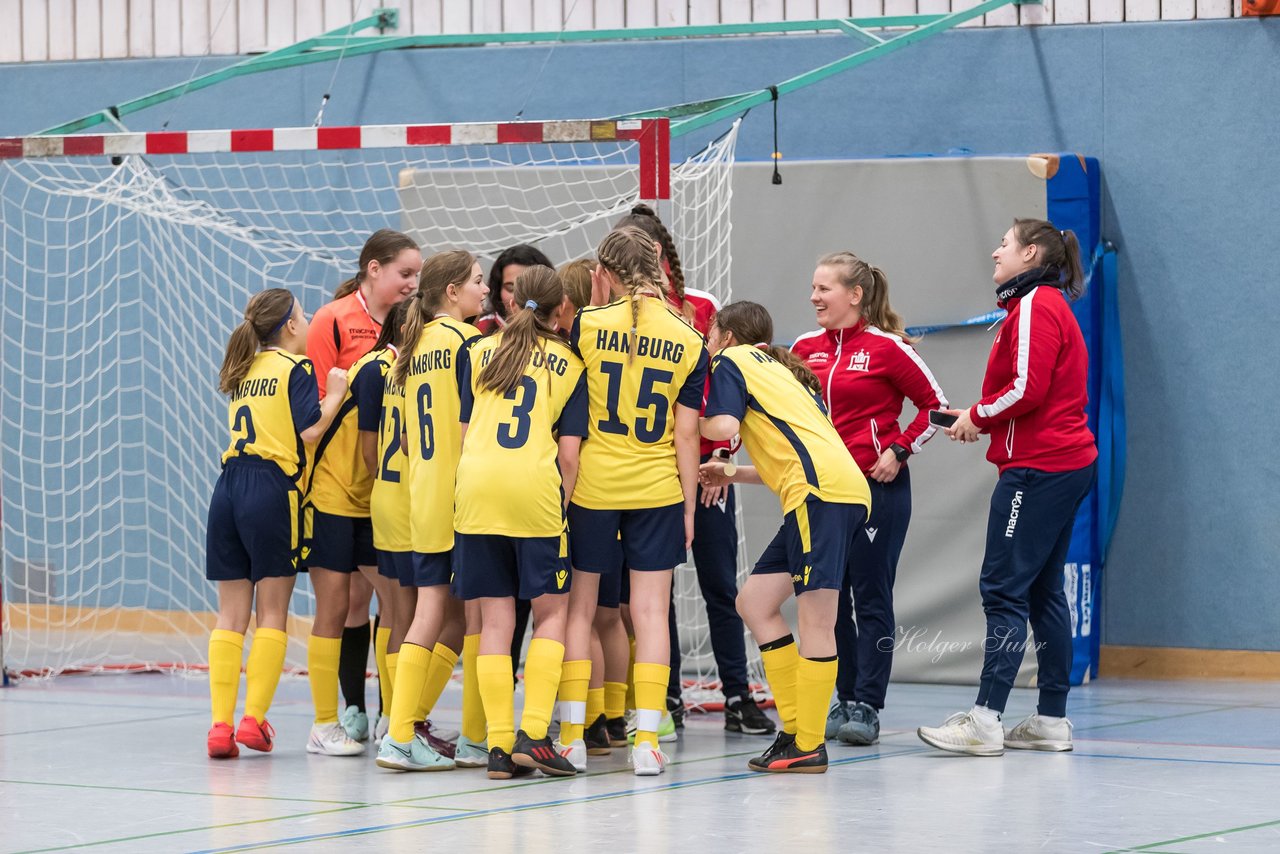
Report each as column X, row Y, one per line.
column 559, row 467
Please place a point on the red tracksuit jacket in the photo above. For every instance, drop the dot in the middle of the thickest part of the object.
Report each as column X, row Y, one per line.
column 866, row 374
column 1035, row 389
column 705, row 307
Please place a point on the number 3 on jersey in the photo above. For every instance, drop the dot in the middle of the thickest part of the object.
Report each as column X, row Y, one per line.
column 647, row 398
column 512, row 436
column 427, row 438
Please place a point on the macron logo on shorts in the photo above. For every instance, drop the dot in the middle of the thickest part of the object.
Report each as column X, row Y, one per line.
column 871, row 534
column 1015, row 507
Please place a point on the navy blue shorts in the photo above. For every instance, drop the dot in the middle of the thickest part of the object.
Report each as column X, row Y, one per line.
column 253, row 523
column 489, row 565
column 652, row 538
column 396, row 565
column 814, row 544
column 339, row 543
column 429, row 569
column 615, row 587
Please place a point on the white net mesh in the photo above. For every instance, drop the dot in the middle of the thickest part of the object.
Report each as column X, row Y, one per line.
column 120, row 285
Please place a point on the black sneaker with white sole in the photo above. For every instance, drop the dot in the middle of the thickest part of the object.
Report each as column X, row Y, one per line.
column 596, row 737
column 617, row 728
column 741, row 714
column 538, row 753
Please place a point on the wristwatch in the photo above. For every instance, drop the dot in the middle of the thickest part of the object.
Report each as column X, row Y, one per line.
column 900, row 452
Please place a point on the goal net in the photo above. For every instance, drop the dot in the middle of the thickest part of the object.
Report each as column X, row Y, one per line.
column 126, row 259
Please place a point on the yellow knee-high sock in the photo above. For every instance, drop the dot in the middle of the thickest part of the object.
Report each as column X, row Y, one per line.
column 473, row 720
column 262, row 674
column 651, row 700
column 780, row 665
column 631, row 674
column 385, row 680
column 575, row 676
column 595, row 704
column 443, row 660
column 225, row 649
column 497, row 692
column 322, row 669
column 542, row 670
column 411, row 672
column 393, row 661
column 815, row 680
column 615, row 700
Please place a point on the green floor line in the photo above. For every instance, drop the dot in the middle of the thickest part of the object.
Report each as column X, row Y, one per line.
column 98, row 724
column 187, row 830
column 181, row 792
column 1150, row 847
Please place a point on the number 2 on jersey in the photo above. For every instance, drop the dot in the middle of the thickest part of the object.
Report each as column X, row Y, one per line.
column 387, row 474
column 647, row 397
column 427, row 438
column 244, row 421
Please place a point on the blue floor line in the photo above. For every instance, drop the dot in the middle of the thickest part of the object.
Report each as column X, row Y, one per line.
column 585, row 799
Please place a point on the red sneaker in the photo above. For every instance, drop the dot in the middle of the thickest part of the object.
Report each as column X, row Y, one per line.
column 222, row 742
column 425, row 730
column 256, row 736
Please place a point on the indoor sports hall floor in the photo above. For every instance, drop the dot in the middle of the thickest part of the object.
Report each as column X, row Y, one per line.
column 116, row 763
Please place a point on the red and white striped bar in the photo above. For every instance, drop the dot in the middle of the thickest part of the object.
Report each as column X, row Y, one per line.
column 653, row 136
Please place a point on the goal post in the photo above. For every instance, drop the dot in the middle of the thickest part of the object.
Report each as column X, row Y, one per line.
column 125, row 260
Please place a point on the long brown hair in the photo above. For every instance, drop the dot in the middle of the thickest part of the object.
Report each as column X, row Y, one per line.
column 528, row 327
column 390, row 334
column 382, row 246
column 646, row 219
column 751, row 324
column 576, row 278
column 853, row 272
column 629, row 255
column 1054, row 248
column 452, row 267
column 263, row 323
column 522, row 254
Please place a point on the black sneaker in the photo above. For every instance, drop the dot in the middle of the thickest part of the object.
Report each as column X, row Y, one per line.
column 539, row 753
column 761, row 762
column 741, row 714
column 617, row 728
column 675, row 706
column 503, row 767
column 597, row 737
column 792, row 760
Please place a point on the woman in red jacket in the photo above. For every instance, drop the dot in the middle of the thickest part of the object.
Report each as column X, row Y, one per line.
column 1033, row 408
column 868, row 368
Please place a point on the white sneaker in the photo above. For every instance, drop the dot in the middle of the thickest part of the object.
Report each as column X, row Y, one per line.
column 965, row 733
column 332, row 740
column 356, row 723
column 380, row 729
column 1038, row 732
column 471, row 754
column 575, row 752
column 648, row 761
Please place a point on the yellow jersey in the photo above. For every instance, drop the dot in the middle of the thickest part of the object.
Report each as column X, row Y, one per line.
column 431, row 408
column 785, row 429
column 389, row 502
column 272, row 405
column 628, row 461
column 508, row 479
column 340, row 480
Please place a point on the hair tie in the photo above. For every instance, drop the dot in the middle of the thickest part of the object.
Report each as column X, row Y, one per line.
column 533, row 303
column 288, row 314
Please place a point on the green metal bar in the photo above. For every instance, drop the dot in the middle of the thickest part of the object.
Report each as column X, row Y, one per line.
column 752, row 99
column 284, row 57
column 858, row 32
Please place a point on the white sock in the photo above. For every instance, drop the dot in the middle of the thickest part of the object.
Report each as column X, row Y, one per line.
column 986, row 717
column 1050, row 719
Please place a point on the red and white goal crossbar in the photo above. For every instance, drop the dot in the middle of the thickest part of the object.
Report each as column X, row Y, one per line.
column 653, row 136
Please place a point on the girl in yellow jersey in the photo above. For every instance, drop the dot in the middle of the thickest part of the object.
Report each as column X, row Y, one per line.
column 524, row 413
column 254, row 514
column 772, row 399
column 646, row 369
column 430, row 370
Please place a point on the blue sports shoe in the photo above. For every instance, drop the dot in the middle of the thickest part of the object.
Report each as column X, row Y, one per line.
column 417, row 755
